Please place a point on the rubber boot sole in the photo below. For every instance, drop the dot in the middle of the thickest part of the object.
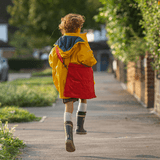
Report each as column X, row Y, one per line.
column 70, row 146
column 81, row 132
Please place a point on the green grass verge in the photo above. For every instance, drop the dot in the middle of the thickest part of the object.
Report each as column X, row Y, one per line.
column 32, row 81
column 21, row 92
column 9, row 146
column 16, row 114
column 46, row 72
column 28, row 92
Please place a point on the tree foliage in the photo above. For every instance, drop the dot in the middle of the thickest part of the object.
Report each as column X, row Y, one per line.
column 133, row 27
column 151, row 22
column 40, row 18
column 125, row 33
column 25, row 44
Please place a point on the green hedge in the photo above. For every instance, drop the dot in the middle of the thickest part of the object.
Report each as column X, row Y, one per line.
column 29, row 63
column 125, row 33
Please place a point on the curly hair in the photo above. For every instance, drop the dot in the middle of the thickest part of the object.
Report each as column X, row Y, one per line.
column 71, row 22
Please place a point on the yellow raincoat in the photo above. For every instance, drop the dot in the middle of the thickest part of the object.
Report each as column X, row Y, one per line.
column 78, row 53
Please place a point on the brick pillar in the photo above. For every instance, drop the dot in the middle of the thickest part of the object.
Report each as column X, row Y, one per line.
column 131, row 71
column 110, row 67
column 149, row 82
column 122, row 72
column 157, row 94
column 117, row 71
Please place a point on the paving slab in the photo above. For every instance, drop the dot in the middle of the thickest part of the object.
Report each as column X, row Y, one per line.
column 119, row 128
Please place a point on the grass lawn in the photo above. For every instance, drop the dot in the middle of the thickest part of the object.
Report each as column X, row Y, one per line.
column 35, row 91
column 12, row 114
column 46, row 72
column 10, row 146
column 33, row 81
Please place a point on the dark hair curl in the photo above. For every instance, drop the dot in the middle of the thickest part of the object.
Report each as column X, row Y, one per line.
column 71, row 22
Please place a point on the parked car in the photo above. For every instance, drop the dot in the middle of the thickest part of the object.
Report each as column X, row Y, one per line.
column 4, row 67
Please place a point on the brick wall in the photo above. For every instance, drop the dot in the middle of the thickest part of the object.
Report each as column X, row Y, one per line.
column 131, row 71
column 136, row 79
column 110, row 66
column 8, row 53
column 157, row 94
column 149, row 82
column 121, row 72
column 117, row 72
column 140, row 79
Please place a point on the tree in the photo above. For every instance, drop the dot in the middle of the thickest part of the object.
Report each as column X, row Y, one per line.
column 125, row 33
column 133, row 27
column 40, row 18
column 20, row 43
column 151, row 22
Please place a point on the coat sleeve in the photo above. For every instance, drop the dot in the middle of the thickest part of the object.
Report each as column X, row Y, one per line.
column 53, row 62
column 85, row 56
column 53, row 59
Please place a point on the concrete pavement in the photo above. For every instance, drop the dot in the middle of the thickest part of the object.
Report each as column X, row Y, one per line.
column 13, row 76
column 119, row 128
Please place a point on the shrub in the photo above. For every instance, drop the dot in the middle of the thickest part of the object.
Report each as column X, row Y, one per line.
column 122, row 18
column 133, row 28
column 20, row 63
column 9, row 146
column 151, row 22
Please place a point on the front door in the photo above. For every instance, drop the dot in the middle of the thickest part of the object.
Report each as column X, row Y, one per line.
column 104, row 62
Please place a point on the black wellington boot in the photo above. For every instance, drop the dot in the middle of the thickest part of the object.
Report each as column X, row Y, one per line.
column 68, row 126
column 80, row 122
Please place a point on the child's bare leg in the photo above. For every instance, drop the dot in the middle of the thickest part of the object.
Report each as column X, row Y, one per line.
column 83, row 100
column 68, row 126
column 80, row 116
column 69, row 107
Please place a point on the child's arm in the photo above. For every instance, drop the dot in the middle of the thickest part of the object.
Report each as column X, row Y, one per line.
column 85, row 56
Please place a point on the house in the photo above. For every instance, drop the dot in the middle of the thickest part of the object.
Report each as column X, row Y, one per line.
column 101, row 50
column 6, row 50
column 102, row 53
